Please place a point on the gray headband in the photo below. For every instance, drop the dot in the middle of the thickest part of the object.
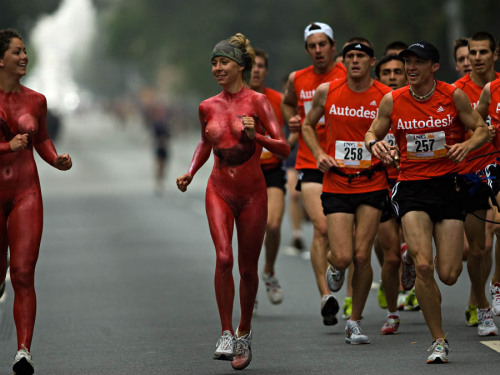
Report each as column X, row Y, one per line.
column 226, row 49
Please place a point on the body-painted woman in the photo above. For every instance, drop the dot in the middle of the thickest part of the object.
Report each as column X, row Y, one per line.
column 233, row 124
column 22, row 129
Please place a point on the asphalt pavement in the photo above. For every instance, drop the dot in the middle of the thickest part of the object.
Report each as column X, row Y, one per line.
column 125, row 280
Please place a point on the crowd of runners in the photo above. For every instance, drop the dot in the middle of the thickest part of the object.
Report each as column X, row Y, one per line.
column 402, row 163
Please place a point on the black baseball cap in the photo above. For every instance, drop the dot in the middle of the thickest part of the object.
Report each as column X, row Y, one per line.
column 424, row 50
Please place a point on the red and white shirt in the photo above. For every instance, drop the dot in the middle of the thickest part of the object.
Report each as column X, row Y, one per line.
column 305, row 84
column 473, row 91
column 348, row 116
column 422, row 129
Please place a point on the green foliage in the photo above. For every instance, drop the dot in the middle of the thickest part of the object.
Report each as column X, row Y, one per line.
column 182, row 33
column 146, row 37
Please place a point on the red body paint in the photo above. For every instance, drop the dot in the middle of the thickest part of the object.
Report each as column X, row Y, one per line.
column 236, row 191
column 21, row 209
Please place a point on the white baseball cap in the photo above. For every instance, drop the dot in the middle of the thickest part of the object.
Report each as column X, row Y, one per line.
column 318, row 27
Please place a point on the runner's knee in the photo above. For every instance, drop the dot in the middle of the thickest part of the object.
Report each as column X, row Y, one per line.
column 476, row 252
column 361, row 260
column 450, row 276
column 339, row 261
column 224, row 261
column 391, row 261
column 22, row 278
column 424, row 271
column 273, row 228
column 320, row 228
column 249, row 274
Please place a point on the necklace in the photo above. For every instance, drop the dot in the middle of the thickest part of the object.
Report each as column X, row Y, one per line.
column 426, row 96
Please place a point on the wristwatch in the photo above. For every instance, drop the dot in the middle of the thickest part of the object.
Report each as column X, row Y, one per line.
column 371, row 144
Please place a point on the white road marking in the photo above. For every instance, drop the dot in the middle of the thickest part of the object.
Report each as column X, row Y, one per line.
column 495, row 345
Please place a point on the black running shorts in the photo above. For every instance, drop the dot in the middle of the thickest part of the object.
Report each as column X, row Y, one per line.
column 275, row 177
column 309, row 175
column 492, row 172
column 348, row 203
column 477, row 197
column 440, row 197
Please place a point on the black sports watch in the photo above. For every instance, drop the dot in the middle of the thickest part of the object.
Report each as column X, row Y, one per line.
column 371, row 144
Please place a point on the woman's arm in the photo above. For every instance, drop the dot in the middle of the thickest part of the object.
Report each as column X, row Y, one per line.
column 277, row 144
column 41, row 141
column 201, row 155
column 14, row 142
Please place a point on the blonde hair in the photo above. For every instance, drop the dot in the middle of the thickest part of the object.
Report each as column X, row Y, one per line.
column 241, row 42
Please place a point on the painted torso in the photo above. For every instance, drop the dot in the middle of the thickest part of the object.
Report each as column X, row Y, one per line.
column 21, row 113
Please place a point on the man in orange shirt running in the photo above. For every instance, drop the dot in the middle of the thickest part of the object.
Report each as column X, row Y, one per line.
column 274, row 173
column 429, row 119
column 479, row 235
column 489, row 107
column 355, row 187
column 390, row 71
column 320, row 46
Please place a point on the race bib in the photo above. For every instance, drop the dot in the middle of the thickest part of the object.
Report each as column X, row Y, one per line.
column 307, row 108
column 352, row 154
column 426, row 146
column 390, row 139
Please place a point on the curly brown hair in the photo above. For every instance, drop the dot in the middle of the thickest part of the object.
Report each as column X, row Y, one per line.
column 6, row 35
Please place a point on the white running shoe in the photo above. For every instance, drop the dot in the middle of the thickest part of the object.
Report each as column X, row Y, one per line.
column 390, row 326
column 486, row 326
column 329, row 309
column 334, row 278
column 225, row 347
column 243, row 351
column 273, row 288
column 439, row 349
column 402, row 300
column 408, row 273
column 353, row 334
column 495, row 298
column 23, row 365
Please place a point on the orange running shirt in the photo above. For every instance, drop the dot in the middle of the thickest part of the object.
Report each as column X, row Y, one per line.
column 473, row 91
column 422, row 129
column 305, row 84
column 267, row 159
column 494, row 109
column 348, row 116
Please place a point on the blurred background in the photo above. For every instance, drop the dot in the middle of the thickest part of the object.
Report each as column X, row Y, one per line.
column 140, row 68
column 121, row 54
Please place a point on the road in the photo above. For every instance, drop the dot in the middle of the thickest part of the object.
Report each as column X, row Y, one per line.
column 125, row 281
